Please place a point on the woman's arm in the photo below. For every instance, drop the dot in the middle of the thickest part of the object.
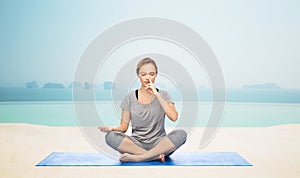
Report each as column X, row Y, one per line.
column 169, row 108
column 123, row 124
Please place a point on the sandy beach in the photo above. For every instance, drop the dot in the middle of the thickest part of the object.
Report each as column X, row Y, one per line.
column 273, row 151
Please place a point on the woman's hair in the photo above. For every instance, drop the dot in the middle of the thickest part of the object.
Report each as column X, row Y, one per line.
column 143, row 62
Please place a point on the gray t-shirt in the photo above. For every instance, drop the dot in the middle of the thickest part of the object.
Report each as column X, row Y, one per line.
column 147, row 120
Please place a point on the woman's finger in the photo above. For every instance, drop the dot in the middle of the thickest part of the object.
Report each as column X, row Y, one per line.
column 150, row 81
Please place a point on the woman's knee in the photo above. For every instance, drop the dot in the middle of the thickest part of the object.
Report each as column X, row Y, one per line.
column 178, row 137
column 114, row 139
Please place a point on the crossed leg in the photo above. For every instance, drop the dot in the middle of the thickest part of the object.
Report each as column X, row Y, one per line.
column 128, row 146
column 158, row 152
column 134, row 153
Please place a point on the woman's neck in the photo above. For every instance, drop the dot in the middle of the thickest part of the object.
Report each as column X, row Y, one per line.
column 144, row 92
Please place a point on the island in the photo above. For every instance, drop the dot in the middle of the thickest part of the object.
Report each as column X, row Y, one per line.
column 32, row 84
column 75, row 85
column 266, row 86
column 53, row 85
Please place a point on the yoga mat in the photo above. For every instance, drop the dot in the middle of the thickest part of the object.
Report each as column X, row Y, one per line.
column 177, row 159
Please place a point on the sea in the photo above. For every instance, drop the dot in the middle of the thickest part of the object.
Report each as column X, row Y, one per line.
column 243, row 108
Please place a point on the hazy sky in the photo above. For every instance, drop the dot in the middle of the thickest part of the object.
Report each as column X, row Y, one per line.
column 255, row 41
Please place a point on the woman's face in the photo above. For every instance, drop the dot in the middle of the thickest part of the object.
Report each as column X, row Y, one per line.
column 147, row 72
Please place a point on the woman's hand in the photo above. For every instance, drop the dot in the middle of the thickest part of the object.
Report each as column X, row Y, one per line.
column 105, row 128
column 120, row 128
column 151, row 88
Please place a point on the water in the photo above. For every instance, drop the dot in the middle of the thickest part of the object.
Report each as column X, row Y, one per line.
column 232, row 95
column 244, row 107
column 61, row 113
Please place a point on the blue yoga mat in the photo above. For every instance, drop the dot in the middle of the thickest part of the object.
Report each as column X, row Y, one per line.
column 177, row 159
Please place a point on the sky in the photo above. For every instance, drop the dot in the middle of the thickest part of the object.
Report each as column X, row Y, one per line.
column 254, row 41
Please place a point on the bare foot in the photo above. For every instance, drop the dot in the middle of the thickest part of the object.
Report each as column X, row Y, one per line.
column 162, row 158
column 126, row 157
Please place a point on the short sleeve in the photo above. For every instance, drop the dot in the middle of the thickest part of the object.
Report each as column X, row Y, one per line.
column 126, row 103
column 167, row 97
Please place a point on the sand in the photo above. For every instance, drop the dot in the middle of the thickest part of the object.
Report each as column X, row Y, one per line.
column 273, row 151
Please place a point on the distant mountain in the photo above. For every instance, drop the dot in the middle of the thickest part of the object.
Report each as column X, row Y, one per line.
column 32, row 84
column 53, row 85
column 262, row 86
column 109, row 86
column 75, row 85
column 88, row 85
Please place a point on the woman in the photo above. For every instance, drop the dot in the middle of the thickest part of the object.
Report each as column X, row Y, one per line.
column 146, row 109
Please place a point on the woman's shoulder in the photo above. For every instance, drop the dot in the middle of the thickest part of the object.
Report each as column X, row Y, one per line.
column 165, row 95
column 130, row 95
column 161, row 91
column 127, row 101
